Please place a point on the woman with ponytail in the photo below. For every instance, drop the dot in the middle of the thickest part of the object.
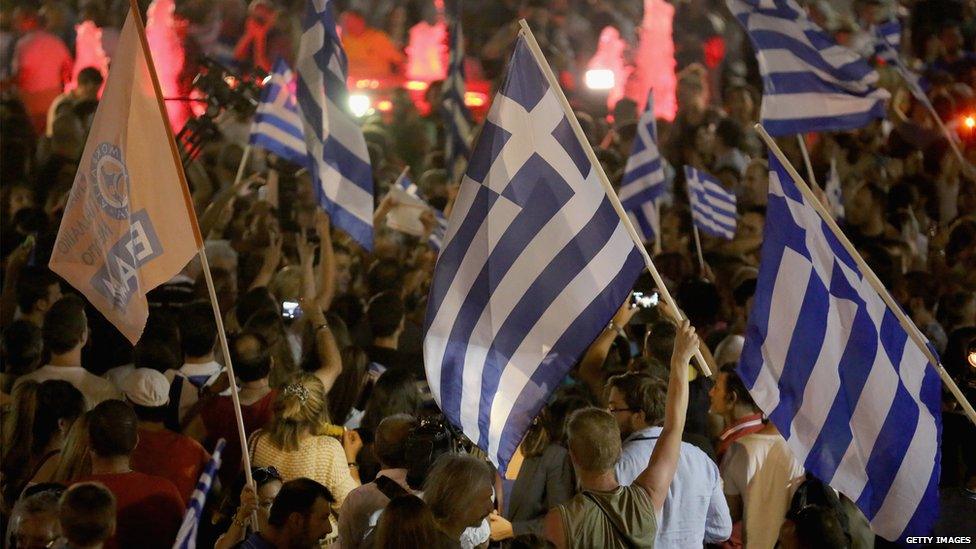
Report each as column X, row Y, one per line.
column 300, row 442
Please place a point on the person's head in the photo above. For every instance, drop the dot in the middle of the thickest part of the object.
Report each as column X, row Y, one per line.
column 406, row 523
column 65, row 326
column 957, row 310
column 59, row 404
column 383, row 275
column 87, row 515
column 89, row 82
column 390, row 440
column 34, row 521
column 16, row 197
column 659, row 341
column 198, row 330
column 300, row 409
column 386, row 314
column 728, row 134
column 867, row 205
column 729, row 396
column 691, row 88
column 814, row 527
column 37, row 290
column 299, row 516
column 250, row 356
column 740, row 102
column 22, row 347
column 459, row 491
column 113, row 429
column 349, row 386
column 636, row 401
column 156, row 354
column 254, row 302
column 951, row 38
column 395, row 392
column 148, row 392
column 594, row 440
column 700, row 300
column 750, row 223
column 755, row 183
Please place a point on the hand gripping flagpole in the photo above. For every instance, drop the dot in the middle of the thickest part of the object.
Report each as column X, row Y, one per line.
column 136, row 14
column 872, row 278
column 611, row 194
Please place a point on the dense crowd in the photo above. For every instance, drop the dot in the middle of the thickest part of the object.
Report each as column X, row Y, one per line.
column 103, row 442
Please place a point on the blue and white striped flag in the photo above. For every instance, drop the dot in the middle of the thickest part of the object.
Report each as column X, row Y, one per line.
column 644, row 181
column 810, row 83
column 436, row 238
column 457, row 118
column 831, row 366
column 535, row 263
column 834, row 192
column 888, row 34
column 341, row 173
column 712, row 207
column 187, row 536
column 912, row 79
column 277, row 127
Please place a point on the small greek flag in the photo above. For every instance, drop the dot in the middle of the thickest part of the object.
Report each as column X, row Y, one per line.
column 187, row 536
column 277, row 127
column 712, row 207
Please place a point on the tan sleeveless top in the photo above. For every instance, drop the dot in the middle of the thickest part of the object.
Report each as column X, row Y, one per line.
column 621, row 519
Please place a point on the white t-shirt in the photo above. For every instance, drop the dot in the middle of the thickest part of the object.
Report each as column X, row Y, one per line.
column 762, row 470
column 93, row 387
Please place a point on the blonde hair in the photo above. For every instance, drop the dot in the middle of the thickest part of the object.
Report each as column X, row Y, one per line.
column 301, row 408
column 75, row 459
column 594, row 439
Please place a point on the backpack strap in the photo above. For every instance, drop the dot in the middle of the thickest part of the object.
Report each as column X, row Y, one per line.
column 390, row 487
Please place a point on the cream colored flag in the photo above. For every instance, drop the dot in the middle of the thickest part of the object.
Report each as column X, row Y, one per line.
column 127, row 227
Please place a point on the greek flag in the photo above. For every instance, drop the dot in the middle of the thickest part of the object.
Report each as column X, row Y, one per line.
column 644, row 180
column 712, row 207
column 457, row 119
column 277, row 127
column 912, row 79
column 833, row 369
column 436, row 238
column 341, row 173
column 187, row 536
column 888, row 34
column 535, row 262
column 810, row 83
column 835, row 196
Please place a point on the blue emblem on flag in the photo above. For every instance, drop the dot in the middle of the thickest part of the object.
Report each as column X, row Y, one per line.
column 109, row 180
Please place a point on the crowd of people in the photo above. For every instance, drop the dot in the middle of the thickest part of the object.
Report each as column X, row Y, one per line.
column 103, row 442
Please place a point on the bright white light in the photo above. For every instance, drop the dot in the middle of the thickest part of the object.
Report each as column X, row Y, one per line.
column 599, row 79
column 359, row 104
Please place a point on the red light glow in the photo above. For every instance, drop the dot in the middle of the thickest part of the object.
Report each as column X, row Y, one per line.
column 475, row 99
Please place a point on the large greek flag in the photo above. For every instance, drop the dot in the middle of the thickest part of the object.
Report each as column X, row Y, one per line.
column 829, row 363
column 810, row 83
column 644, row 181
column 535, row 263
column 341, row 173
column 457, row 118
column 186, row 538
column 712, row 207
column 277, row 127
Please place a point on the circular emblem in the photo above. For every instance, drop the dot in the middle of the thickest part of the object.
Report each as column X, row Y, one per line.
column 111, row 180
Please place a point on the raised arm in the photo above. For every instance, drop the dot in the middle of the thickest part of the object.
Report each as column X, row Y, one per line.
column 327, row 265
column 591, row 365
column 272, row 258
column 656, row 478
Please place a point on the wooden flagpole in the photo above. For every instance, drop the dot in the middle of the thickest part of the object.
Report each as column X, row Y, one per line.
column 611, row 194
column 698, row 247
column 906, row 323
column 222, row 335
column 806, row 158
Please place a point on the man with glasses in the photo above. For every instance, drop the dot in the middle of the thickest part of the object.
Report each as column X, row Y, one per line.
column 34, row 521
column 695, row 510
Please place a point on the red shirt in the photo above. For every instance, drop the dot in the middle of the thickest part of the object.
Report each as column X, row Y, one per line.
column 218, row 418
column 173, row 456
column 149, row 510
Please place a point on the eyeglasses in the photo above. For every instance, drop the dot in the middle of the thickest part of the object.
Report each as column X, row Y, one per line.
column 262, row 475
column 613, row 410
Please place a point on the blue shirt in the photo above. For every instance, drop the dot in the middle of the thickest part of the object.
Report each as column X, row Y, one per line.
column 695, row 510
column 254, row 541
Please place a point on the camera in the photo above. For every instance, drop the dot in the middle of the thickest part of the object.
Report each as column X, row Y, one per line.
column 639, row 299
column 291, row 310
